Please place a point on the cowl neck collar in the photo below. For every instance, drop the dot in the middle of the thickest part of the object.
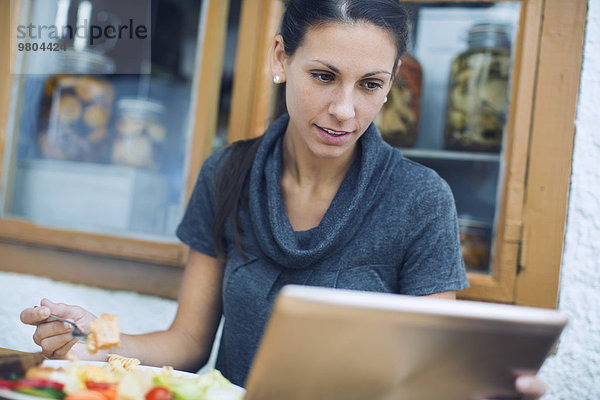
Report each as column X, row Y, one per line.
column 363, row 184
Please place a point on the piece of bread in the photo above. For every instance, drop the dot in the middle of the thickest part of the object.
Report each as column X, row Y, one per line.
column 103, row 333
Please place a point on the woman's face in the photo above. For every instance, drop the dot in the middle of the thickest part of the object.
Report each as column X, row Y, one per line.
column 336, row 83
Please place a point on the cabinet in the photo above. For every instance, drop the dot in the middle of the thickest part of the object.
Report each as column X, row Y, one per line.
column 525, row 201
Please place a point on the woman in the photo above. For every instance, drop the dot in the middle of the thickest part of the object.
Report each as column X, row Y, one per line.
column 319, row 199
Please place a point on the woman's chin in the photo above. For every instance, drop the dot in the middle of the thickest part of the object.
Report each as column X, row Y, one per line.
column 330, row 152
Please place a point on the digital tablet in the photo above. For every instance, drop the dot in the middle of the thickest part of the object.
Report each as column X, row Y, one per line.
column 333, row 344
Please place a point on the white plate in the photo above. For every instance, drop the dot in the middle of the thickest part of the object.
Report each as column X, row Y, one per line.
column 62, row 363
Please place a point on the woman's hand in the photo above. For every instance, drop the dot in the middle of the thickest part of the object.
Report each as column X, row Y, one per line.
column 54, row 337
column 532, row 387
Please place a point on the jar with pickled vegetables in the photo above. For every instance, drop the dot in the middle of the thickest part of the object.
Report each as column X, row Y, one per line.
column 475, row 244
column 140, row 133
column 399, row 116
column 478, row 91
column 76, row 109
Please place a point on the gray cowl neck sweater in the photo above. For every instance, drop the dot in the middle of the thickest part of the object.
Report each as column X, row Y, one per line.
column 363, row 185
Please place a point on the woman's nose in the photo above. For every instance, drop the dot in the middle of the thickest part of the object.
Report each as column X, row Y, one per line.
column 341, row 105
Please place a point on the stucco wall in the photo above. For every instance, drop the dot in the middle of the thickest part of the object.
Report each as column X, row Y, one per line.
column 573, row 373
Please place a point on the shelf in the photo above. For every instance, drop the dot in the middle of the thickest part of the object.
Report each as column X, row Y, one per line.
column 474, row 223
column 450, row 155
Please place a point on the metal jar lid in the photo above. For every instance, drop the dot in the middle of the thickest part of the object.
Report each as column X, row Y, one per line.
column 489, row 36
column 140, row 106
column 84, row 62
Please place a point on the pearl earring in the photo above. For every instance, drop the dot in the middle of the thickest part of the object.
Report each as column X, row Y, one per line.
column 385, row 100
column 276, row 79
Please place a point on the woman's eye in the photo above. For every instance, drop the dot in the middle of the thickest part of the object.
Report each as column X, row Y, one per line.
column 372, row 85
column 323, row 76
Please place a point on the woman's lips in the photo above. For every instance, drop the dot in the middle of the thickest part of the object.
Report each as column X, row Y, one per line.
column 332, row 136
column 333, row 132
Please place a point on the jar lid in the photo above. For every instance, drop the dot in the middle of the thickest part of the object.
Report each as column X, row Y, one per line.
column 84, row 62
column 489, row 35
column 140, row 105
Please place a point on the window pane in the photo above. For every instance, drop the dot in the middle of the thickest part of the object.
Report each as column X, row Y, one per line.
column 102, row 146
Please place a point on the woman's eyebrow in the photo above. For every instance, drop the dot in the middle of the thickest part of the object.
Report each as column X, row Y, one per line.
column 375, row 73
column 331, row 67
column 337, row 71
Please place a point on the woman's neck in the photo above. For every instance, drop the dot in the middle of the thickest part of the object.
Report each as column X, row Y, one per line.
column 306, row 170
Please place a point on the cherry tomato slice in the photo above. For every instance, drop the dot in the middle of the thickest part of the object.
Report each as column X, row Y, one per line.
column 92, row 385
column 159, row 393
column 109, row 390
column 38, row 383
column 4, row 384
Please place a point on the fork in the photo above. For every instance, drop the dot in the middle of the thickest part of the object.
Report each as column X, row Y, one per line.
column 76, row 332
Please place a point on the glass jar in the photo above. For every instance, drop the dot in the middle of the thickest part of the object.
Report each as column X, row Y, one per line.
column 140, row 133
column 76, row 108
column 478, row 91
column 399, row 117
column 475, row 243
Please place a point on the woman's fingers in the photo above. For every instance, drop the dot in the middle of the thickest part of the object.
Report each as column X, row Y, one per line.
column 62, row 351
column 62, row 310
column 34, row 315
column 54, row 337
column 50, row 329
column 52, row 344
column 529, row 385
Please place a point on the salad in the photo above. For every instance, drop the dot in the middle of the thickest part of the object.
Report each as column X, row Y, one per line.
column 121, row 379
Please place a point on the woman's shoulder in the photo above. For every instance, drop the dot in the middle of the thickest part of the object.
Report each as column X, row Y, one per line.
column 417, row 186
column 413, row 175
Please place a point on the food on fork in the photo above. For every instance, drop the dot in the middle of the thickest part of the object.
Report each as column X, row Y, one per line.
column 103, row 333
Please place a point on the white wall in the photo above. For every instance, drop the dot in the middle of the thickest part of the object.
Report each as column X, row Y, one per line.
column 574, row 372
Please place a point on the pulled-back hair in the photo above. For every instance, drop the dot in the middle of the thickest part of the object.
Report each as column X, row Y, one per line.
column 300, row 15
column 298, row 18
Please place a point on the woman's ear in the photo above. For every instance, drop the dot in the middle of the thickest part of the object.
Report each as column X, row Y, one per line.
column 394, row 76
column 278, row 59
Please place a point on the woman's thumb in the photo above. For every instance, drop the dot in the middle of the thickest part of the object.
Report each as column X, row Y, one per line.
column 58, row 309
column 46, row 303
